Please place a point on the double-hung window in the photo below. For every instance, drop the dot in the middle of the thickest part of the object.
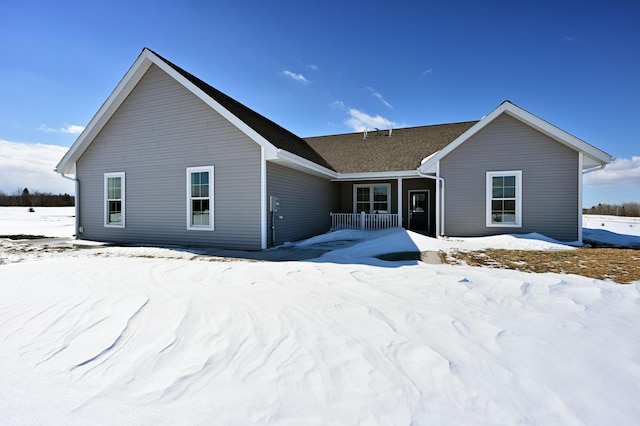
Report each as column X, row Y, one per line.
column 200, row 198
column 372, row 198
column 114, row 200
column 504, row 198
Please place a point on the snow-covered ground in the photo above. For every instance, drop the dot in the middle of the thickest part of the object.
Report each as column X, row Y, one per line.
column 112, row 335
column 612, row 230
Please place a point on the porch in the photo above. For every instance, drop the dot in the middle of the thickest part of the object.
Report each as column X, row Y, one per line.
column 364, row 221
column 407, row 202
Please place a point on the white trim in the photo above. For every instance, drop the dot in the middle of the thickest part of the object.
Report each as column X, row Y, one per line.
column 399, row 202
column 126, row 86
column 241, row 125
column 345, row 177
column 440, row 201
column 371, row 194
column 108, row 176
column 263, row 200
column 518, row 198
column 297, row 162
column 580, row 187
column 108, row 108
column 210, row 226
column 128, row 83
column 597, row 156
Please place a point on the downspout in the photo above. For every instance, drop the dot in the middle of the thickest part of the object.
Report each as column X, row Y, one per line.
column 263, row 200
column 581, row 173
column 439, row 205
column 580, row 189
column 76, row 202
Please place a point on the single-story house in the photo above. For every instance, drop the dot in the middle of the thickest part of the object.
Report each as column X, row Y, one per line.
column 168, row 159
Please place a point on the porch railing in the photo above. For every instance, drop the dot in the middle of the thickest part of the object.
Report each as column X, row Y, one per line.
column 368, row 221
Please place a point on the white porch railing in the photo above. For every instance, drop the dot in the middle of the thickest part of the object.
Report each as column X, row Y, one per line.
column 364, row 221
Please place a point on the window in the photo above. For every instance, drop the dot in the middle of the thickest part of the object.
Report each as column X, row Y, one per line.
column 114, row 200
column 200, row 198
column 504, row 198
column 372, row 198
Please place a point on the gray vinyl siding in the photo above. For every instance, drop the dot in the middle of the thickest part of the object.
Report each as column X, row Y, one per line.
column 549, row 181
column 305, row 204
column 159, row 131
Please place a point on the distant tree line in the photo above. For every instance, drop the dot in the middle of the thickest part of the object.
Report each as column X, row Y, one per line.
column 24, row 198
column 626, row 209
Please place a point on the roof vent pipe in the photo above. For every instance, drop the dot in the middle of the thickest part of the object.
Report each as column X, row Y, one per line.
column 365, row 133
column 390, row 131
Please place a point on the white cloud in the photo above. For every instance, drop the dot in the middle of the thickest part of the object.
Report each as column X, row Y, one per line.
column 427, row 73
column 73, row 129
column 297, row 77
column 620, row 173
column 379, row 96
column 31, row 166
column 359, row 120
column 313, row 67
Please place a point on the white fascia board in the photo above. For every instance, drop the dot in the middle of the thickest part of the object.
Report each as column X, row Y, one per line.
column 557, row 134
column 429, row 162
column 598, row 156
column 270, row 149
column 377, row 175
column 106, row 111
column 297, row 162
column 124, row 88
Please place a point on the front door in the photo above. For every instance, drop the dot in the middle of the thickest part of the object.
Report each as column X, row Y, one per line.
column 419, row 211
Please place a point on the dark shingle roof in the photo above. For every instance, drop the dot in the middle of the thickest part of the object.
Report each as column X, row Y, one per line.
column 345, row 153
column 278, row 136
column 404, row 150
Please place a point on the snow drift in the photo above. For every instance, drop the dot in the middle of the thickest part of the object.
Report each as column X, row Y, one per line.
column 138, row 336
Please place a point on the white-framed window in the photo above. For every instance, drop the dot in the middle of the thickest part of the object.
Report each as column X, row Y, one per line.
column 114, row 200
column 372, row 198
column 200, row 198
column 504, row 198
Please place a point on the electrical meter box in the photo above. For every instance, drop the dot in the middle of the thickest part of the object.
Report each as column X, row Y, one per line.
column 274, row 203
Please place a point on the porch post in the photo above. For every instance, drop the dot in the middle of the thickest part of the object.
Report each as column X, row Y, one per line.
column 400, row 202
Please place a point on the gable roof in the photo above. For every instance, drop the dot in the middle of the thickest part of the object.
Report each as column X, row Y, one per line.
column 279, row 143
column 402, row 150
column 592, row 156
column 410, row 149
column 280, row 137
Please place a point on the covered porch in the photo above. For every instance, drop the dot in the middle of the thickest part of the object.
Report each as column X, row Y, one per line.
column 407, row 202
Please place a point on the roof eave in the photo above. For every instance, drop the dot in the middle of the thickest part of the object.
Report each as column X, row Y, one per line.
column 271, row 150
column 395, row 174
column 299, row 163
column 124, row 88
column 106, row 111
column 598, row 156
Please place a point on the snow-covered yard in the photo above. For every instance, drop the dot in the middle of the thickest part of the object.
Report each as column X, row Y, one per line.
column 132, row 335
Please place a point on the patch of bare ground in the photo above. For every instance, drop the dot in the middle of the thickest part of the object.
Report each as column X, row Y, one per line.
column 618, row 265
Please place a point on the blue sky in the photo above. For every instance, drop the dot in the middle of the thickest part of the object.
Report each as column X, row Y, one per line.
column 330, row 67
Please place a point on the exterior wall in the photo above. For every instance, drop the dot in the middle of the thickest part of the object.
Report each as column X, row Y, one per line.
column 549, row 181
column 305, row 203
column 159, row 131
